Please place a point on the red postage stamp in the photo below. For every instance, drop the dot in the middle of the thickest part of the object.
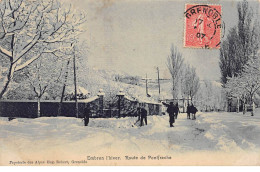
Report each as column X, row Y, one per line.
column 202, row 26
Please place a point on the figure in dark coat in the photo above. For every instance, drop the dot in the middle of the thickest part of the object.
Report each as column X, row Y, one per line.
column 138, row 112
column 87, row 114
column 193, row 111
column 143, row 116
column 171, row 110
column 188, row 111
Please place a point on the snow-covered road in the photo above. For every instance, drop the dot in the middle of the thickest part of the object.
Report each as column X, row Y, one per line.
column 213, row 132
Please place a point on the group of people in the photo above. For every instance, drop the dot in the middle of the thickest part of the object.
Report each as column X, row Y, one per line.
column 172, row 110
column 141, row 111
column 191, row 109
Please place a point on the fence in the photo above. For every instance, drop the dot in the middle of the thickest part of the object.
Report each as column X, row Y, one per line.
column 125, row 106
column 28, row 108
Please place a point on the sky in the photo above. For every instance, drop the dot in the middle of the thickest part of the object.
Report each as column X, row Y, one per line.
column 136, row 36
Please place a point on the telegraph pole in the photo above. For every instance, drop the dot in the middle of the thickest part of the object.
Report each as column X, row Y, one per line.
column 158, row 72
column 146, row 81
column 63, row 88
column 75, row 82
column 159, row 81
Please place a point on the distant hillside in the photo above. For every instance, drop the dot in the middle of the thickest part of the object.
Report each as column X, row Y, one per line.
column 111, row 82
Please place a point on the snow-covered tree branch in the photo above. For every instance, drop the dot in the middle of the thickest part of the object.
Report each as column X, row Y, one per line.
column 243, row 41
column 191, row 82
column 29, row 29
column 247, row 83
column 174, row 64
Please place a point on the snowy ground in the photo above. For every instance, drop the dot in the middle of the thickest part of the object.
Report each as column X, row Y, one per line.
column 218, row 136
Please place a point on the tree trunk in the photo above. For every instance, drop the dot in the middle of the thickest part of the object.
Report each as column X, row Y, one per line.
column 253, row 109
column 39, row 106
column 251, row 104
column 61, row 100
column 244, row 105
column 63, row 89
column 12, row 65
column 237, row 104
column 9, row 78
column 183, row 110
column 226, row 106
column 75, row 86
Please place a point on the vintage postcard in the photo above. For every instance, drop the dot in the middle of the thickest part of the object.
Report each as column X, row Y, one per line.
column 129, row 82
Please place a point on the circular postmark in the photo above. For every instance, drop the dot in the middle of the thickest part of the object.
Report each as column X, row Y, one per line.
column 203, row 26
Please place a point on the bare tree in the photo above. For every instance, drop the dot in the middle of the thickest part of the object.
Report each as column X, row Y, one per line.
column 208, row 96
column 30, row 29
column 192, row 82
column 39, row 80
column 174, row 64
column 43, row 75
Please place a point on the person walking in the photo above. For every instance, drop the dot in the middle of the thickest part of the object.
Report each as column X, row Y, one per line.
column 87, row 114
column 188, row 111
column 138, row 112
column 143, row 116
column 193, row 111
column 171, row 110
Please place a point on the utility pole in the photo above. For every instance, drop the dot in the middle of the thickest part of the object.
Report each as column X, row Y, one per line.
column 159, row 81
column 158, row 72
column 63, row 88
column 146, row 81
column 75, row 82
column 146, row 84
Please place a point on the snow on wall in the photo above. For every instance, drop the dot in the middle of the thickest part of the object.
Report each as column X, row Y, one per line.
column 28, row 109
column 89, row 99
